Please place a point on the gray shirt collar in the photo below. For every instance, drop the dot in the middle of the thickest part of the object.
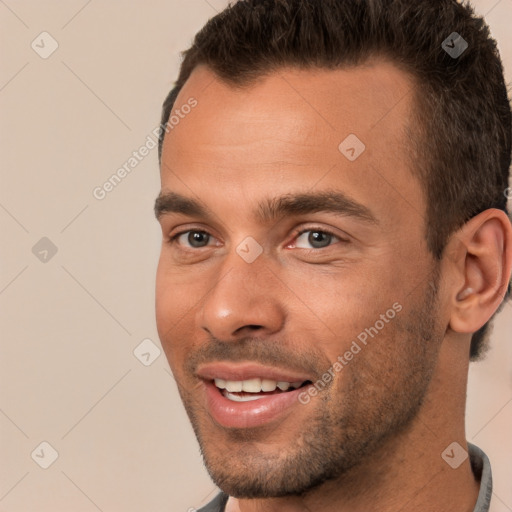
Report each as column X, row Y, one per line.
column 482, row 470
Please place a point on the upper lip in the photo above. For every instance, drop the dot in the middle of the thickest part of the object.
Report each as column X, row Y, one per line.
column 245, row 371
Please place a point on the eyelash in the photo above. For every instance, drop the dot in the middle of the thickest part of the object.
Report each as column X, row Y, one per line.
column 173, row 239
column 297, row 234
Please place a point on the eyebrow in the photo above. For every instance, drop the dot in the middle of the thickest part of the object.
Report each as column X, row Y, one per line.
column 171, row 202
column 274, row 208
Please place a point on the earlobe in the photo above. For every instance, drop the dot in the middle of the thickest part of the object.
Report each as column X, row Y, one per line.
column 483, row 264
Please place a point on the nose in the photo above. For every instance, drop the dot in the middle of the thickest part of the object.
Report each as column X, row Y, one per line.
column 244, row 301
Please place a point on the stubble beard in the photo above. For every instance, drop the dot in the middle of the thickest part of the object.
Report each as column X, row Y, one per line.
column 345, row 428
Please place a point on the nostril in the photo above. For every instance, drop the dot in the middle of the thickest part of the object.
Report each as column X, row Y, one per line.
column 251, row 327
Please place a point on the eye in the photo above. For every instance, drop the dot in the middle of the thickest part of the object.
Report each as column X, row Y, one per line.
column 192, row 239
column 315, row 238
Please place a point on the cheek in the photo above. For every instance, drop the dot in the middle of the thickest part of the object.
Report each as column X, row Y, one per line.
column 176, row 293
column 173, row 311
column 178, row 298
column 164, row 303
column 339, row 306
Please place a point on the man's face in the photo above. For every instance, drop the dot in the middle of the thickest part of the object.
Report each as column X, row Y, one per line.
column 284, row 255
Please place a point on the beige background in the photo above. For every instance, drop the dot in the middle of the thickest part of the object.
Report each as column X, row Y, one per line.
column 70, row 325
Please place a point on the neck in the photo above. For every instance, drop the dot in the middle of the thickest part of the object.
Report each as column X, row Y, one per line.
column 407, row 471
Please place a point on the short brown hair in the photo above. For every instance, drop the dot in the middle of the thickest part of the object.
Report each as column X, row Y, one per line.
column 463, row 142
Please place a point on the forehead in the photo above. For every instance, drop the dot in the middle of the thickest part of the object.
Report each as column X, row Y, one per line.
column 295, row 129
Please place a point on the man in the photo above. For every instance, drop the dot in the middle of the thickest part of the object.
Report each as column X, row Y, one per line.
column 336, row 242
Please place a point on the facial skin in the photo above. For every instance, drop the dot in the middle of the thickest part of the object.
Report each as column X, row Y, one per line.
column 388, row 414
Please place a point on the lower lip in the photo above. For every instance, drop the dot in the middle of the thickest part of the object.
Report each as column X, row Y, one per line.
column 253, row 413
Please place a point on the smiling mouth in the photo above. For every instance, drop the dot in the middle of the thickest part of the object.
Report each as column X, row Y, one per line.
column 255, row 389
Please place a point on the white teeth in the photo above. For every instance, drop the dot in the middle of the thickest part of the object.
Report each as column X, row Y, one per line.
column 255, row 385
column 234, row 386
column 251, row 385
column 268, row 385
column 239, row 398
column 220, row 383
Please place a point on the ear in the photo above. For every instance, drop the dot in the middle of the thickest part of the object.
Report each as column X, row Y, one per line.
column 480, row 256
